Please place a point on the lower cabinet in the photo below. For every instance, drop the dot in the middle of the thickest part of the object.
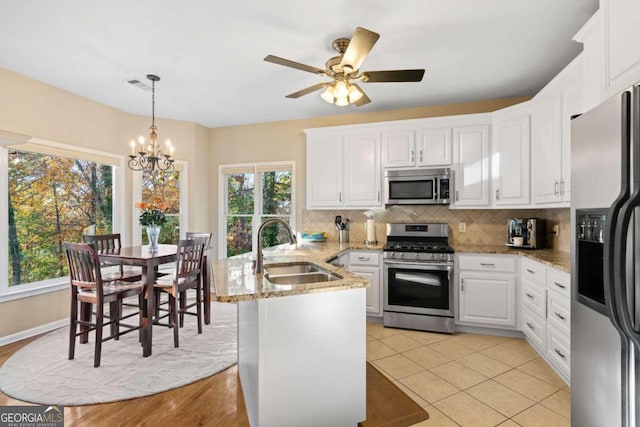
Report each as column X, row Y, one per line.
column 365, row 264
column 487, row 290
column 546, row 313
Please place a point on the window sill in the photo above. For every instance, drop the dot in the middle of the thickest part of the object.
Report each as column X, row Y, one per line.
column 26, row 293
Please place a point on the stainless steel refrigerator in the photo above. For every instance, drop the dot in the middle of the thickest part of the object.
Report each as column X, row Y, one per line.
column 605, row 269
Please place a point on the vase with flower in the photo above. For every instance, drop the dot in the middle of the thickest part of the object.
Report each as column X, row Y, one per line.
column 152, row 217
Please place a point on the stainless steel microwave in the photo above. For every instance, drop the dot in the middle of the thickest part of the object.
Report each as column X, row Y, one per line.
column 417, row 187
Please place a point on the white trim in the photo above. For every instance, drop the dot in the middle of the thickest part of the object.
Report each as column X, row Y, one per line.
column 4, row 224
column 28, row 333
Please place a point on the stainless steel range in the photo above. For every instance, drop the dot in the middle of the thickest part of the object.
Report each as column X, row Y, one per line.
column 418, row 277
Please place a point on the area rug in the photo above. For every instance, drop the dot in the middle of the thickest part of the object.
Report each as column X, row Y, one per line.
column 41, row 373
column 387, row 405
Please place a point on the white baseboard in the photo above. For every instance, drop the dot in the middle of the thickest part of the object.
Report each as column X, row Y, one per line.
column 28, row 333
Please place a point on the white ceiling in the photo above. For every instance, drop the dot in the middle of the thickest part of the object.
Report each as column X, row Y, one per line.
column 209, row 54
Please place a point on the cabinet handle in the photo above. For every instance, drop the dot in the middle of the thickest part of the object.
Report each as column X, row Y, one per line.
column 531, row 326
column 420, row 156
column 340, row 196
column 487, row 264
column 556, row 188
column 559, row 353
column 559, row 285
column 498, row 194
column 562, row 187
column 378, row 195
column 531, row 271
column 529, row 295
column 560, row 316
column 339, row 265
column 363, row 258
column 457, row 195
column 462, row 285
column 411, row 156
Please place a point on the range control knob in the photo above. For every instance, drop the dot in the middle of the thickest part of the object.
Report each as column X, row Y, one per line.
column 443, row 256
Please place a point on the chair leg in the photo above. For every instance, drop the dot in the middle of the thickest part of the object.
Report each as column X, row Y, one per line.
column 73, row 328
column 115, row 313
column 85, row 314
column 156, row 313
column 176, row 320
column 183, row 307
column 199, row 308
column 99, row 325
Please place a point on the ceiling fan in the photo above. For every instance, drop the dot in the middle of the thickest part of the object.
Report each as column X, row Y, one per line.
column 344, row 69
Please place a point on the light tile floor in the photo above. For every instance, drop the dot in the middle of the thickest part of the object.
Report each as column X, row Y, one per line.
column 469, row 379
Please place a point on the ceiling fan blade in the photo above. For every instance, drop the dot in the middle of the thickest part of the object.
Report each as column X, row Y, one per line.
column 293, row 64
column 308, row 90
column 359, row 47
column 393, row 76
column 363, row 100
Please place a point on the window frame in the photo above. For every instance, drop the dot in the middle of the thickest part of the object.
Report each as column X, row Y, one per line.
column 136, row 191
column 257, row 167
column 118, row 210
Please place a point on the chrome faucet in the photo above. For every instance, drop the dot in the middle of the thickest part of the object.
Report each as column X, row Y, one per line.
column 292, row 239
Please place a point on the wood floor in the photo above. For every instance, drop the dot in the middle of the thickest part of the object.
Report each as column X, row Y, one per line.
column 214, row 401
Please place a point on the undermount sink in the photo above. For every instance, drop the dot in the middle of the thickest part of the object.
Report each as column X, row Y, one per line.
column 298, row 274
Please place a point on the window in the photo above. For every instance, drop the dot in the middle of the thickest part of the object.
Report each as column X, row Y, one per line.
column 52, row 193
column 250, row 194
column 171, row 190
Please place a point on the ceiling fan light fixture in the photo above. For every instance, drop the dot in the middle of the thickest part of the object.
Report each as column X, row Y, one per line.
column 341, row 90
column 327, row 95
column 342, row 102
column 354, row 94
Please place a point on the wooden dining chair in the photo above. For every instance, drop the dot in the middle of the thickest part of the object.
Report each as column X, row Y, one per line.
column 106, row 243
column 91, row 293
column 205, row 276
column 186, row 276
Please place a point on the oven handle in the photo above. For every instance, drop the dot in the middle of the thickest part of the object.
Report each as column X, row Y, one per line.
column 421, row 266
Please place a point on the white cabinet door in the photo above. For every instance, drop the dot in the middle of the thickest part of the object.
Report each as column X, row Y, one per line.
column 622, row 33
column 362, row 171
column 573, row 102
column 546, row 149
column 510, row 161
column 324, row 171
column 398, row 148
column 487, row 299
column 471, row 159
column 433, row 147
column 374, row 306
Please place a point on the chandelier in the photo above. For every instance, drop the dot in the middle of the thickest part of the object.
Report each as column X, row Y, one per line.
column 150, row 156
column 341, row 93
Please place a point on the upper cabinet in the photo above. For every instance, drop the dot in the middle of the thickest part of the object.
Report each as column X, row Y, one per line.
column 343, row 170
column 553, row 108
column 471, row 165
column 511, row 156
column 621, row 35
column 422, row 147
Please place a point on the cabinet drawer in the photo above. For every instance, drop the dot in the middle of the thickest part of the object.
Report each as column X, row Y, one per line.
column 559, row 312
column 534, row 271
column 487, row 263
column 559, row 282
column 558, row 350
column 371, row 258
column 533, row 327
column 534, row 296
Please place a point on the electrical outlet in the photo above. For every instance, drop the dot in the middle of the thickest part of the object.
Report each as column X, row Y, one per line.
column 556, row 229
column 462, row 227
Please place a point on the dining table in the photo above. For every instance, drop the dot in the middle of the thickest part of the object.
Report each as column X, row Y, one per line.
column 148, row 260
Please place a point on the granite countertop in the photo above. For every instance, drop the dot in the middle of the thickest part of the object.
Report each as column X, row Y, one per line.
column 556, row 259
column 235, row 280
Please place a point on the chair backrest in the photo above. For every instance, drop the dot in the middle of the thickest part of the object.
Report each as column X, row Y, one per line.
column 104, row 242
column 84, row 266
column 189, row 258
column 197, row 235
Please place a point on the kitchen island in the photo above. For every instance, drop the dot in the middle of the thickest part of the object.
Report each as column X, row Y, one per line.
column 301, row 348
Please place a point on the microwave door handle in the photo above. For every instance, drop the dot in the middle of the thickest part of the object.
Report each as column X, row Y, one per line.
column 435, row 182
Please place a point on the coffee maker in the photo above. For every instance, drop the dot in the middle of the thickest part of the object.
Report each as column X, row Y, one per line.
column 526, row 233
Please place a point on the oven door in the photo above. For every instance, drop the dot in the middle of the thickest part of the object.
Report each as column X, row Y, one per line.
column 421, row 288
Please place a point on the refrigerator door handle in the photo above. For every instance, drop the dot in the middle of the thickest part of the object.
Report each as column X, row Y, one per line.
column 611, row 260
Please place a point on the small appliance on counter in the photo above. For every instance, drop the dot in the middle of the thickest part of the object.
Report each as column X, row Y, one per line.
column 526, row 233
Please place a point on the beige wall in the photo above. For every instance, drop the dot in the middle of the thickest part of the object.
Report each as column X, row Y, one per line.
column 39, row 110
column 284, row 141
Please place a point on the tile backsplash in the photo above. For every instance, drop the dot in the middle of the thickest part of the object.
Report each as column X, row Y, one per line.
column 484, row 226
